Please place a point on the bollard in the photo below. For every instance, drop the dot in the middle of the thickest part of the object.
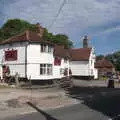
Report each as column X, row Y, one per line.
column 110, row 83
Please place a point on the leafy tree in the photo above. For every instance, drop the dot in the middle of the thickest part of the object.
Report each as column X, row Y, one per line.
column 59, row 39
column 99, row 57
column 114, row 58
column 48, row 36
column 16, row 26
column 1, row 35
column 62, row 39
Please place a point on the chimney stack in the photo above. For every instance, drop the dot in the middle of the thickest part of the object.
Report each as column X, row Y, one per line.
column 39, row 30
column 85, row 41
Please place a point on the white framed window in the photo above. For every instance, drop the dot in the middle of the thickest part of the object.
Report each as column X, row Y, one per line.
column 43, row 48
column 62, row 71
column 42, row 69
column 45, row 69
column 49, row 69
column 49, row 48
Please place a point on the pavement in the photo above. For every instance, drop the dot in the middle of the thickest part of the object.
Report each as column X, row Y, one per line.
column 13, row 101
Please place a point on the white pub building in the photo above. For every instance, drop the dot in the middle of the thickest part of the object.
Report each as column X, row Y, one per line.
column 32, row 57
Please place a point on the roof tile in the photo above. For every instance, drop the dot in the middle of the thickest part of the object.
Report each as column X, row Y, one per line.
column 104, row 63
column 80, row 54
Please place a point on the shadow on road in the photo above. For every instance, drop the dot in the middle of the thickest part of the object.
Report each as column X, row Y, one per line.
column 46, row 115
column 105, row 100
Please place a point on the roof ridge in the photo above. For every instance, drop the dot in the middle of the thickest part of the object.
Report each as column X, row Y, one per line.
column 81, row 48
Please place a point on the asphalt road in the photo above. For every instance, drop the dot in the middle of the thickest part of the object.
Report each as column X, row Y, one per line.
column 97, row 103
column 75, row 112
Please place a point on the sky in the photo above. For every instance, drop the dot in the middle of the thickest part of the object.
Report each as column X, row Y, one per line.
column 99, row 19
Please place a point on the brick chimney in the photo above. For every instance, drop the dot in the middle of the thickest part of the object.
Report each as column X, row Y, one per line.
column 85, row 41
column 39, row 30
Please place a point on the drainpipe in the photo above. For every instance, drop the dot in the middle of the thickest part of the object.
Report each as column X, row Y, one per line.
column 68, row 67
column 26, row 60
column 1, row 72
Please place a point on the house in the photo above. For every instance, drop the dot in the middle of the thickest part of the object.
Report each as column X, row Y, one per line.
column 61, row 61
column 83, row 62
column 29, row 55
column 104, row 66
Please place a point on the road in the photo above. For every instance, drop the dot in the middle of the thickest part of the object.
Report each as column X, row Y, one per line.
column 75, row 112
column 96, row 103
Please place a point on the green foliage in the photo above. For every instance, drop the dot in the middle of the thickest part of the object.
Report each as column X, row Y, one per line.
column 16, row 26
column 59, row 39
column 114, row 58
column 62, row 39
column 99, row 57
column 13, row 27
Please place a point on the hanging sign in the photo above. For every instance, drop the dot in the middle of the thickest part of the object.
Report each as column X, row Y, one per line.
column 10, row 55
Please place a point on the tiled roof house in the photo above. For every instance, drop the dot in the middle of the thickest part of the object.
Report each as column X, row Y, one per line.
column 82, row 62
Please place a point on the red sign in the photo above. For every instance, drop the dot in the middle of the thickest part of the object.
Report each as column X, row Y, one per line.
column 57, row 61
column 11, row 55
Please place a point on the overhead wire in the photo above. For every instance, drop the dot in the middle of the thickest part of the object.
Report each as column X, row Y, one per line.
column 58, row 13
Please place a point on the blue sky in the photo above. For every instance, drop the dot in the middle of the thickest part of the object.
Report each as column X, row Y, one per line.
column 99, row 19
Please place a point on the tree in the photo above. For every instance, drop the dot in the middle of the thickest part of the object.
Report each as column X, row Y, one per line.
column 15, row 26
column 115, row 59
column 59, row 39
column 99, row 57
column 62, row 39
column 1, row 35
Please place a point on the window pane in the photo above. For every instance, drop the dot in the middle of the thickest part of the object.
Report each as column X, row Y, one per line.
column 43, row 48
column 49, row 69
column 49, row 48
column 44, row 65
column 41, row 71
column 46, row 69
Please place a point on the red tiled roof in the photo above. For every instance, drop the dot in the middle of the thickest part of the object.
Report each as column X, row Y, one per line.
column 60, row 51
column 80, row 54
column 25, row 36
column 103, row 63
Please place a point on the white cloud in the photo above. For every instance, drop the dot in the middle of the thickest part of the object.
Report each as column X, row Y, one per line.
column 107, row 31
column 76, row 15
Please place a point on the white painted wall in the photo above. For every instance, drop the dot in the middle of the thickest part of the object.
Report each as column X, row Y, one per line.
column 57, row 69
column 15, row 66
column 92, row 61
column 85, row 68
column 80, row 68
column 34, row 58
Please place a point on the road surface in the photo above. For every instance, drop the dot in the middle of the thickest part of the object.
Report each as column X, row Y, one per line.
column 96, row 103
column 75, row 112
